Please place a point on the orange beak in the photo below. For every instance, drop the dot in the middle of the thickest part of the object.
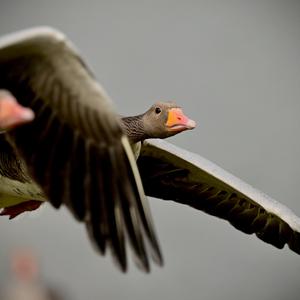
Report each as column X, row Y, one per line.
column 12, row 114
column 177, row 121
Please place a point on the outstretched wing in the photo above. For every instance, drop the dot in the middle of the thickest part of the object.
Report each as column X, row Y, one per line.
column 171, row 173
column 75, row 148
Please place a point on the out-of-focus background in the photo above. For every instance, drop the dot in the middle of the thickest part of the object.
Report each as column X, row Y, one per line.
column 234, row 66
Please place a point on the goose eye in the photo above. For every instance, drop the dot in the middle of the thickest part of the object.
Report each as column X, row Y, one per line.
column 157, row 110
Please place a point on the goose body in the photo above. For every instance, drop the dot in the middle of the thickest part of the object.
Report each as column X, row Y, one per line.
column 78, row 152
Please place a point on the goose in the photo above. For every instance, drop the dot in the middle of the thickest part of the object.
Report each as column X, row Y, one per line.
column 62, row 142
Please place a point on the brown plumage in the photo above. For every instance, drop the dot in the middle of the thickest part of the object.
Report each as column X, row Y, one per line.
column 75, row 149
column 78, row 152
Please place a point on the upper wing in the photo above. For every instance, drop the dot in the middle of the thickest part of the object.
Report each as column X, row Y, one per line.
column 75, row 148
column 172, row 173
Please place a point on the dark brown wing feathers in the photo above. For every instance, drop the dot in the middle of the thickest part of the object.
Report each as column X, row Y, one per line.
column 168, row 176
column 74, row 148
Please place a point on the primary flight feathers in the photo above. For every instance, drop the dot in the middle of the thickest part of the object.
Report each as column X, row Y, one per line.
column 78, row 152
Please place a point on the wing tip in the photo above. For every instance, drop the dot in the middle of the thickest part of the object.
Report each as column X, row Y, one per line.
column 158, row 258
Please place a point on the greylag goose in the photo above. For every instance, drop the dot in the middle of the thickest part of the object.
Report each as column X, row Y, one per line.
column 76, row 151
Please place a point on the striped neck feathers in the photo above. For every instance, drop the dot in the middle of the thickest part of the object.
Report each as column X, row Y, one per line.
column 134, row 128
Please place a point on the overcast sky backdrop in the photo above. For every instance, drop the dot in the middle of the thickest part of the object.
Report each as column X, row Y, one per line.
column 234, row 66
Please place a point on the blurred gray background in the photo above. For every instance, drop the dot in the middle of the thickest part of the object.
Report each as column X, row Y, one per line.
column 234, row 66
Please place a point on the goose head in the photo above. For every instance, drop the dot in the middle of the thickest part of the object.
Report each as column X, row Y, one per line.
column 165, row 119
